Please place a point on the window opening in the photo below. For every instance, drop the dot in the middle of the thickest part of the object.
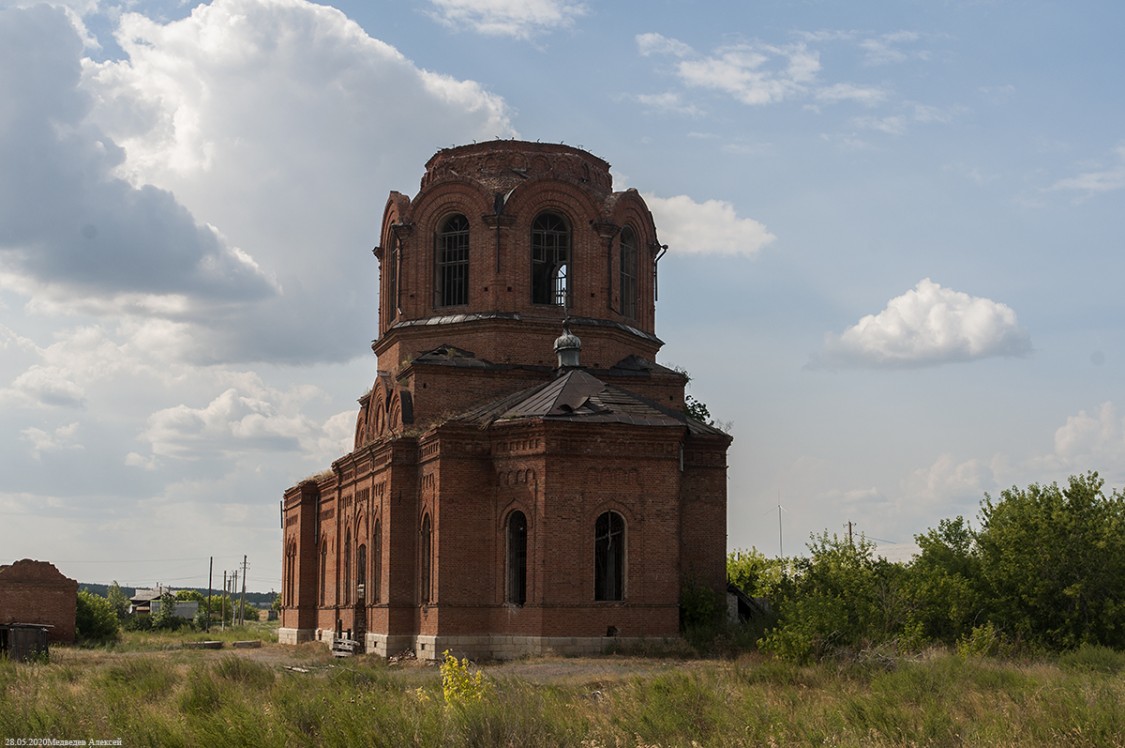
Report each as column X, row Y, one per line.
column 550, row 257
column 517, row 559
column 425, row 571
column 609, row 557
column 453, row 262
column 628, row 273
column 361, row 574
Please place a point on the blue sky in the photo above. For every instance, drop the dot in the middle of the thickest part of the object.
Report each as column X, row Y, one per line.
column 895, row 236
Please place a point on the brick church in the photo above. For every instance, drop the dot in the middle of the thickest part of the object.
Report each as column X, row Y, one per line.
column 523, row 478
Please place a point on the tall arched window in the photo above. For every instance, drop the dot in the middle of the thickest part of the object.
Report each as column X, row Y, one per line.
column 377, row 551
column 628, row 272
column 361, row 574
column 517, row 559
column 452, row 255
column 550, row 260
column 425, row 569
column 348, row 567
column 323, row 571
column 609, row 557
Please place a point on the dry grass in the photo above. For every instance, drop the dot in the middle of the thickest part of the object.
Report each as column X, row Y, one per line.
column 147, row 693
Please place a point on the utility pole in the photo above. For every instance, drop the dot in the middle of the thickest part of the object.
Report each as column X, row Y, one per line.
column 850, row 541
column 210, row 571
column 223, row 615
column 242, row 602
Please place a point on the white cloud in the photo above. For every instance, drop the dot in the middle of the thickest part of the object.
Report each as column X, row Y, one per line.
column 709, row 227
column 1090, row 441
column 889, row 49
column 270, row 119
column 521, row 19
column 868, row 95
column 69, row 225
column 754, row 74
column 45, row 385
column 928, row 325
column 232, row 422
column 1108, row 178
column 949, row 483
column 51, row 441
column 658, row 44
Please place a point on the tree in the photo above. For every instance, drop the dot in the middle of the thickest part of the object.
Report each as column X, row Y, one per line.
column 697, row 410
column 95, row 620
column 164, row 612
column 118, row 600
column 840, row 597
column 942, row 585
column 1053, row 562
column 754, row 573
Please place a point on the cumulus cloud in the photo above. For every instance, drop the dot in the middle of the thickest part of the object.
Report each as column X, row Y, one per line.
column 949, row 482
column 69, row 225
column 46, row 385
column 521, row 19
column 927, row 326
column 1090, row 441
column 270, row 119
column 233, row 421
column 708, row 227
column 247, row 417
column 58, row 439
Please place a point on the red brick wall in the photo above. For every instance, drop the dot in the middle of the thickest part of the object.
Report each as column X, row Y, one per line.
column 670, row 489
column 36, row 592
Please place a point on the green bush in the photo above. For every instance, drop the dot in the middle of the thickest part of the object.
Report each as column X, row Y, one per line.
column 95, row 619
column 1094, row 658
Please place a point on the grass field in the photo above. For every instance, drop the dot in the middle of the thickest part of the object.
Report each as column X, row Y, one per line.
column 150, row 691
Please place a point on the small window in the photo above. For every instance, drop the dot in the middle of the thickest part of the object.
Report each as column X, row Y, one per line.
column 550, row 260
column 609, row 557
column 628, row 272
column 424, row 562
column 517, row 559
column 452, row 253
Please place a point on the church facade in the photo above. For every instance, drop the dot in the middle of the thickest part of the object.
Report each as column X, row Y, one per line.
column 523, row 477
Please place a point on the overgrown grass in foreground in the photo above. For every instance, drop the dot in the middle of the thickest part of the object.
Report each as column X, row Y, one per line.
column 177, row 699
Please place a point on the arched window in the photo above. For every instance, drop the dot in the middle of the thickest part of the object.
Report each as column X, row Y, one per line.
column 628, row 272
column 361, row 574
column 517, row 559
column 424, row 570
column 348, row 567
column 323, row 571
column 452, row 255
column 377, row 572
column 550, row 260
column 609, row 557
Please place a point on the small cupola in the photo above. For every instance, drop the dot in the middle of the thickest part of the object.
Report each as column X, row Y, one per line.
column 567, row 347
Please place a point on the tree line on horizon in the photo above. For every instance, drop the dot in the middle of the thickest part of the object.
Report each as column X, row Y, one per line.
column 1043, row 570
